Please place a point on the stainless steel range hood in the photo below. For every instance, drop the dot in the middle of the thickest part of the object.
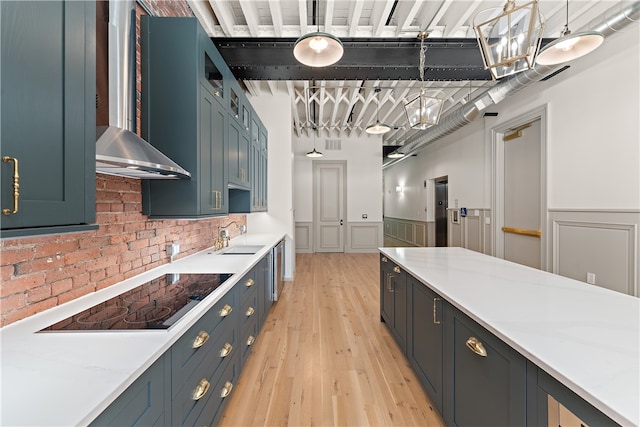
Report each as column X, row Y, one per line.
column 119, row 151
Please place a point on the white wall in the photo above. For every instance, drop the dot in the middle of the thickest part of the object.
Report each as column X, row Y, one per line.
column 364, row 176
column 275, row 113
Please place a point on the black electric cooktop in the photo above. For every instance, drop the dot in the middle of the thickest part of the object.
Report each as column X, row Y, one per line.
column 156, row 304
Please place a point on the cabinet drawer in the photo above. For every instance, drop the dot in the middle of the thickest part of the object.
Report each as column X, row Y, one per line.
column 248, row 337
column 185, row 407
column 221, row 391
column 248, row 285
column 210, row 329
column 249, row 309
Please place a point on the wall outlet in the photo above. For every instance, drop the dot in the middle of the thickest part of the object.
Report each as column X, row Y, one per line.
column 591, row 278
column 173, row 249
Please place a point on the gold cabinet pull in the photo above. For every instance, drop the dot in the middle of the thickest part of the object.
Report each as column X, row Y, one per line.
column 249, row 283
column 201, row 389
column 16, row 185
column 251, row 340
column 226, row 310
column 200, row 339
column 226, row 350
column 226, row 389
column 384, row 259
column 397, row 269
column 435, row 318
column 250, row 311
column 389, row 288
column 476, row 346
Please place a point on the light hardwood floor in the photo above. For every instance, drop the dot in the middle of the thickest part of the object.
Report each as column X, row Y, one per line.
column 324, row 358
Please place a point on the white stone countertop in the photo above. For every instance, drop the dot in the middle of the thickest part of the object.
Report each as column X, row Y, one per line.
column 68, row 378
column 585, row 336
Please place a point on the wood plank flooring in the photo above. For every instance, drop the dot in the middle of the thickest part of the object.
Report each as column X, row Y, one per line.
column 324, row 358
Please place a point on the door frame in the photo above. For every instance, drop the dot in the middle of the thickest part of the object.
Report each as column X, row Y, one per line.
column 314, row 167
column 497, row 177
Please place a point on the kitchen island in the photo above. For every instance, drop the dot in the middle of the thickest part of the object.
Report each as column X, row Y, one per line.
column 68, row 378
column 584, row 338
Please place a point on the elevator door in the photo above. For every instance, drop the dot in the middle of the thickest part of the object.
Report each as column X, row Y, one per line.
column 442, row 197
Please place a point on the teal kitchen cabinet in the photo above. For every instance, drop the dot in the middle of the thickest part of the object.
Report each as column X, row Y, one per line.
column 48, row 117
column 258, row 166
column 184, row 115
column 248, row 312
column 485, row 379
column 425, row 337
column 239, row 146
column 393, row 300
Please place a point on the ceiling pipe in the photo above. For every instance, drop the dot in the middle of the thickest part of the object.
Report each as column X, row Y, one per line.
column 612, row 21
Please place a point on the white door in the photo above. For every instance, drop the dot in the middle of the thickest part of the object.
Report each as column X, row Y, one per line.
column 522, row 195
column 329, row 203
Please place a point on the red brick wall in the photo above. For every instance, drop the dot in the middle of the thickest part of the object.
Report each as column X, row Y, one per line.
column 38, row 273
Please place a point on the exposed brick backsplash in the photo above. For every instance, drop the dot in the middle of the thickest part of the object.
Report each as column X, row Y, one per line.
column 42, row 272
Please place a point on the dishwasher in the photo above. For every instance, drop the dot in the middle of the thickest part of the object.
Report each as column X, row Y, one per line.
column 277, row 256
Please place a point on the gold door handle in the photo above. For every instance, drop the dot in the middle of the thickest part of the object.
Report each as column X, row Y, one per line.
column 200, row 339
column 250, row 311
column 522, row 231
column 226, row 350
column 201, row 389
column 476, row 346
column 226, row 310
column 397, row 269
column 250, row 340
column 435, row 318
column 226, row 389
column 16, row 185
column 249, row 283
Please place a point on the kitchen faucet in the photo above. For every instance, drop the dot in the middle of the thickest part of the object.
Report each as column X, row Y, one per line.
column 224, row 234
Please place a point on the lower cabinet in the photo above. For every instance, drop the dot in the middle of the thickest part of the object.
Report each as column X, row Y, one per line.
column 393, row 299
column 188, row 385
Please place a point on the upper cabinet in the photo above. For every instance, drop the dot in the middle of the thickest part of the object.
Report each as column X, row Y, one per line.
column 195, row 112
column 48, row 117
column 184, row 115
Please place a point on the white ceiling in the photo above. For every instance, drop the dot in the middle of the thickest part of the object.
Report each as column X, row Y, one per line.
column 341, row 108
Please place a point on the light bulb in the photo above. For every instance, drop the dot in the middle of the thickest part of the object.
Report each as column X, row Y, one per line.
column 318, row 44
column 567, row 45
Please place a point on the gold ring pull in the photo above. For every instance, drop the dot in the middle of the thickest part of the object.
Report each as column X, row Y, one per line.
column 226, row 350
column 476, row 346
column 435, row 318
column 201, row 389
column 250, row 311
column 201, row 338
column 251, row 340
column 384, row 259
column 249, row 283
column 226, row 310
column 397, row 269
column 226, row 389
column 16, row 185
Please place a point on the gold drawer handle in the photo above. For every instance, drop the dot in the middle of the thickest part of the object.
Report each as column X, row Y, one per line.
column 435, row 318
column 250, row 311
column 226, row 389
column 201, row 338
column 16, row 185
column 384, row 259
column 226, row 310
column 201, row 389
column 226, row 350
column 251, row 340
column 249, row 283
column 476, row 346
column 397, row 269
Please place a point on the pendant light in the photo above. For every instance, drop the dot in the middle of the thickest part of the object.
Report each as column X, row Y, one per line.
column 377, row 128
column 569, row 46
column 509, row 42
column 314, row 153
column 423, row 111
column 318, row 49
column 395, row 155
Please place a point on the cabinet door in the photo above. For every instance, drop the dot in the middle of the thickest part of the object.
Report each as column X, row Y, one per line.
column 264, row 172
column 238, row 155
column 487, row 390
column 48, row 113
column 424, row 340
column 213, row 196
column 386, row 292
column 398, row 283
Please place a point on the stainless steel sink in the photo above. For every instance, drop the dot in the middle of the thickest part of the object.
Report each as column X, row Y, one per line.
column 241, row 250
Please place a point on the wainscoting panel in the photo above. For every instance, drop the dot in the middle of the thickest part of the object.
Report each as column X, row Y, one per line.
column 604, row 244
column 304, row 237
column 364, row 236
column 409, row 232
column 471, row 231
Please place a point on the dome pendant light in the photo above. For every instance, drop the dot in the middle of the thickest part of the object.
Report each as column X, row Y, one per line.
column 314, row 153
column 318, row 49
column 569, row 46
column 395, row 155
column 377, row 128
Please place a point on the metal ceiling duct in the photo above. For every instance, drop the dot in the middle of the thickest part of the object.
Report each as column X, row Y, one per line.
column 119, row 151
column 612, row 21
